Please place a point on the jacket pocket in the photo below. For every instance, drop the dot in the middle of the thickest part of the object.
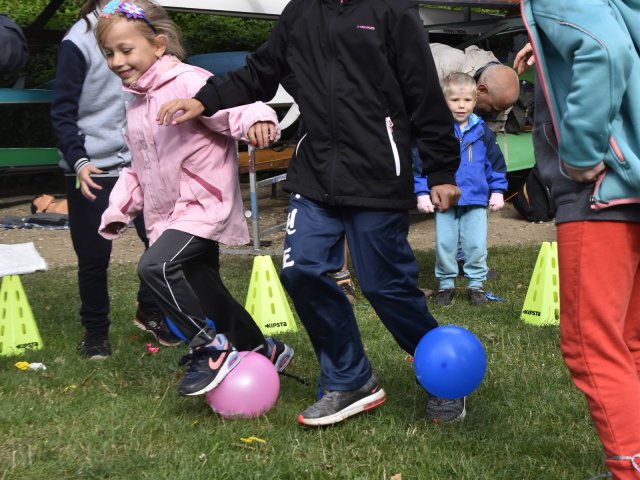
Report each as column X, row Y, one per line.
column 617, row 185
column 392, row 142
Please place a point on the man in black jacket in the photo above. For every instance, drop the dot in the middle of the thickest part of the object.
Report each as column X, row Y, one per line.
column 366, row 90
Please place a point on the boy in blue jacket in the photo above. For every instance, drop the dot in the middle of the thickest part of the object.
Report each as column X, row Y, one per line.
column 482, row 178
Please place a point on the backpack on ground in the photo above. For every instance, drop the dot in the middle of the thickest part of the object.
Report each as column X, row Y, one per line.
column 533, row 200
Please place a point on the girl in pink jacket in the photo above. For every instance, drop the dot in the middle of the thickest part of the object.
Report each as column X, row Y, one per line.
column 184, row 179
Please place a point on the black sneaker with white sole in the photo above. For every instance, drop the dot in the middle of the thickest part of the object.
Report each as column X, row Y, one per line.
column 94, row 347
column 441, row 410
column 279, row 353
column 156, row 325
column 208, row 365
column 336, row 406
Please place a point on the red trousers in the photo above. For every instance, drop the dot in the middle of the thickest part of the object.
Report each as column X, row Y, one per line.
column 600, row 331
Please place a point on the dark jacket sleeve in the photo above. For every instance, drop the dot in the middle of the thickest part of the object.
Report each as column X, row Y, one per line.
column 67, row 88
column 258, row 80
column 432, row 119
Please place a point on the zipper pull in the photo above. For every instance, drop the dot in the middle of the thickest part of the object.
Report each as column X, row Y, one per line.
column 390, row 127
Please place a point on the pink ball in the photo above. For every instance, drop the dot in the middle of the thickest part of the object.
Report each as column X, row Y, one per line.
column 249, row 390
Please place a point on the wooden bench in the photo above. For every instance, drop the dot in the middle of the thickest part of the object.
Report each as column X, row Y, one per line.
column 266, row 160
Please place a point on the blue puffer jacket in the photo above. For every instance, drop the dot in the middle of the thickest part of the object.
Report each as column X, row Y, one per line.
column 482, row 167
column 588, row 63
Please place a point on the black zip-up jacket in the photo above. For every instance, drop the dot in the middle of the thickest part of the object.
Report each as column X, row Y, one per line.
column 367, row 88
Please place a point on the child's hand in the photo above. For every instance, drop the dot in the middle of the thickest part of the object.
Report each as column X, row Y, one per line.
column 191, row 108
column 424, row 204
column 496, row 201
column 86, row 182
column 262, row 134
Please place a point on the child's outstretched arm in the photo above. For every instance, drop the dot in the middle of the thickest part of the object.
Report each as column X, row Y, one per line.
column 258, row 80
column 125, row 203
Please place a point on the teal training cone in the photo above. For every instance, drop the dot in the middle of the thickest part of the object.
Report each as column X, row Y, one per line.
column 542, row 303
column 266, row 300
column 18, row 328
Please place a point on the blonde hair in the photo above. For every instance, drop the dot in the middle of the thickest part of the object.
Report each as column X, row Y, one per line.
column 458, row 79
column 157, row 23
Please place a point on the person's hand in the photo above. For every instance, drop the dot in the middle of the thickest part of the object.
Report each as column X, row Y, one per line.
column 496, row 201
column 262, row 134
column 114, row 228
column 582, row 175
column 524, row 59
column 444, row 196
column 87, row 183
column 191, row 108
column 424, row 204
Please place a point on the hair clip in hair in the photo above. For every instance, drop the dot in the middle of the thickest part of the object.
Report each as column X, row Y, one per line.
column 131, row 11
column 110, row 8
column 128, row 9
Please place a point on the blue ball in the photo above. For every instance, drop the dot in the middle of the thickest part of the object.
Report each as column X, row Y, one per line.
column 450, row 362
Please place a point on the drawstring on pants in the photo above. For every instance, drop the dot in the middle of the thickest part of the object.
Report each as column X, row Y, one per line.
column 635, row 460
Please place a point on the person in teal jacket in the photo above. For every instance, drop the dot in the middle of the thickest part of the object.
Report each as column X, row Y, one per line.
column 589, row 73
column 587, row 145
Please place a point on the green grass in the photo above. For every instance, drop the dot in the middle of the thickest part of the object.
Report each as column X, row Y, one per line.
column 125, row 420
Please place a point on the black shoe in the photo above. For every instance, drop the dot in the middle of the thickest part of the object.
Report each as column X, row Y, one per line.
column 477, row 296
column 279, row 353
column 155, row 324
column 336, row 406
column 440, row 410
column 444, row 297
column 94, row 347
column 209, row 365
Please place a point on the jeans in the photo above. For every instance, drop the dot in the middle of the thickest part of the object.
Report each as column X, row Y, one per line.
column 94, row 253
column 467, row 225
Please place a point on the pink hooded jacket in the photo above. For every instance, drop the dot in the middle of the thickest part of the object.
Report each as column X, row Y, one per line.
column 183, row 177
